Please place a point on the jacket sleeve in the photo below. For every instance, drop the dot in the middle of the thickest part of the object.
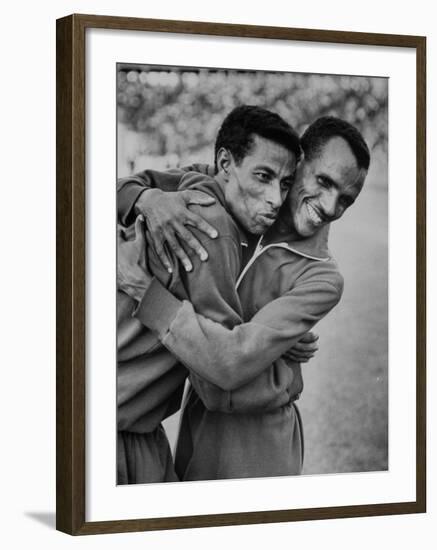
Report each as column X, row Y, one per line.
column 148, row 375
column 211, row 287
column 273, row 388
column 131, row 187
column 231, row 357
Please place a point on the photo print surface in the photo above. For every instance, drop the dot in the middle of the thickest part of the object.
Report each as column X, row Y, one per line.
column 252, row 277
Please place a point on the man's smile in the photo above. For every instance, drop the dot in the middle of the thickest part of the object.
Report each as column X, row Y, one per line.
column 313, row 213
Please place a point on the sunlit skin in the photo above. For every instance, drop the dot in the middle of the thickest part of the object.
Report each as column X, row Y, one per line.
column 325, row 187
column 256, row 187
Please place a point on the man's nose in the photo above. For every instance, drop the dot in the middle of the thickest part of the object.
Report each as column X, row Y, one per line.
column 274, row 195
column 329, row 203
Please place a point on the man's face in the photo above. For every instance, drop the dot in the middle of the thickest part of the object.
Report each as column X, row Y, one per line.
column 325, row 187
column 257, row 186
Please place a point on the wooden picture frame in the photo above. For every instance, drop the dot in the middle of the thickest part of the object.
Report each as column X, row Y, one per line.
column 71, row 274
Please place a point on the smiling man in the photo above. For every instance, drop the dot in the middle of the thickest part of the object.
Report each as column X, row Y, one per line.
column 330, row 178
column 289, row 282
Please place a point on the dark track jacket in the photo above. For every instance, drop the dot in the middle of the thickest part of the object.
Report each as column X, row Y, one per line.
column 149, row 377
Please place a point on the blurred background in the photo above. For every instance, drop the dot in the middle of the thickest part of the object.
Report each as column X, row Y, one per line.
column 169, row 116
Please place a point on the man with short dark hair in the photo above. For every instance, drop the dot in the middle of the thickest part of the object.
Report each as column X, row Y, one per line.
column 286, row 286
column 150, row 379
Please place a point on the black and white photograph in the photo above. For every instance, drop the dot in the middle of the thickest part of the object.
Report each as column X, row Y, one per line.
column 252, row 274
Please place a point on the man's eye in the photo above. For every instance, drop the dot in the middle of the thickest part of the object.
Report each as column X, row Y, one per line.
column 285, row 185
column 262, row 176
column 323, row 182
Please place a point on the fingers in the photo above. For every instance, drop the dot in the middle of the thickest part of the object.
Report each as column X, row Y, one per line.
column 305, row 348
column 120, row 233
column 197, row 221
column 197, row 197
column 158, row 245
column 139, row 229
column 190, row 241
column 176, row 247
column 170, row 234
column 309, row 337
column 299, row 357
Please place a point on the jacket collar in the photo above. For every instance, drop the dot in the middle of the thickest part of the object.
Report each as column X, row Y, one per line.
column 314, row 247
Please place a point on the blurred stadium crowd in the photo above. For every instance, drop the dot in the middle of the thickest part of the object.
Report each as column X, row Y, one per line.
column 170, row 116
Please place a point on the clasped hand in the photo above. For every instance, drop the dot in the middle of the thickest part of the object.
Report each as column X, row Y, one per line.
column 133, row 276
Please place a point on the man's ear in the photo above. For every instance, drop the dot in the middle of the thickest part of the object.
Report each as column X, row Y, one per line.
column 224, row 160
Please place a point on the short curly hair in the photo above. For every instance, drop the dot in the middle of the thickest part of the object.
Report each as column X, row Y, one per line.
column 327, row 127
column 246, row 121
